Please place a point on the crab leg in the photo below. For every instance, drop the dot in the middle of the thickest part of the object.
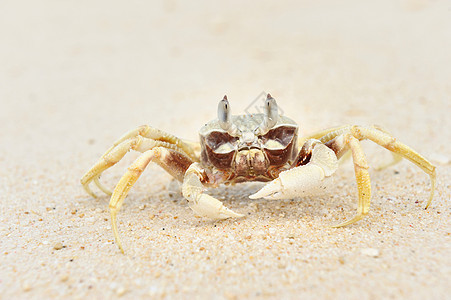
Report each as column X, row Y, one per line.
column 363, row 180
column 349, row 138
column 203, row 204
column 175, row 163
column 321, row 134
column 382, row 138
column 396, row 158
column 114, row 155
column 158, row 135
column 195, row 146
column 110, row 158
column 304, row 180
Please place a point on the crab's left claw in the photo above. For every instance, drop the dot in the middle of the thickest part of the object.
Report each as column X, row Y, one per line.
column 203, row 204
column 305, row 180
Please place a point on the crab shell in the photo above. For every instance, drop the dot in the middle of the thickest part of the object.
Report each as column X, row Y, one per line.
column 248, row 155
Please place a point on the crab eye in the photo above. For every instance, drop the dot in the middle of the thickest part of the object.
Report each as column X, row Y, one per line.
column 224, row 114
column 271, row 112
column 271, row 116
column 224, row 117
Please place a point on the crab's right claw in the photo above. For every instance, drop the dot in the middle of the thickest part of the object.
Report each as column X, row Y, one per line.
column 301, row 181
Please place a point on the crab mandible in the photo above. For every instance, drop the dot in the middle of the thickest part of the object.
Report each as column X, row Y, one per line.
column 259, row 147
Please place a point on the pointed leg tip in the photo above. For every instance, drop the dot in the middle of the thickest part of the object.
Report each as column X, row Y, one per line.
column 102, row 187
column 119, row 245
column 88, row 190
column 348, row 222
column 339, row 224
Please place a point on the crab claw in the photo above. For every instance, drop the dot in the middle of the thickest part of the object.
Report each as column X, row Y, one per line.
column 269, row 191
column 212, row 208
column 301, row 181
column 203, row 204
column 298, row 182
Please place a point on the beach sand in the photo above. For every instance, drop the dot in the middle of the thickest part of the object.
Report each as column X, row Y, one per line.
column 75, row 77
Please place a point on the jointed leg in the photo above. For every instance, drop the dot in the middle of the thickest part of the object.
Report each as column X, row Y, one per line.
column 141, row 139
column 396, row 158
column 323, row 133
column 114, row 155
column 101, row 186
column 195, row 146
column 362, row 177
column 389, row 142
column 157, row 135
column 172, row 161
column 332, row 133
column 110, row 158
column 349, row 137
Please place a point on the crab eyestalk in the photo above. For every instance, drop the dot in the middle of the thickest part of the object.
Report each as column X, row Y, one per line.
column 271, row 115
column 224, row 114
column 224, row 117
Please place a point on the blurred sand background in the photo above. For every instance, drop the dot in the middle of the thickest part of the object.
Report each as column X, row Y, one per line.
column 76, row 75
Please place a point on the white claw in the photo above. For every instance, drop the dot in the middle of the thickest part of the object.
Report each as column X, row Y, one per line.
column 298, row 182
column 204, row 204
column 307, row 180
column 269, row 190
column 207, row 206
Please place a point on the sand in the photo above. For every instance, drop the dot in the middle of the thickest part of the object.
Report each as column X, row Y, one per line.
column 75, row 76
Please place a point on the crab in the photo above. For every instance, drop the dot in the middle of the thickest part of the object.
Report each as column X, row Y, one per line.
column 241, row 148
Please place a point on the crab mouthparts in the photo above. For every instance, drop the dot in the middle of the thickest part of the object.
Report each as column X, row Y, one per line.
column 248, row 147
column 247, row 140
